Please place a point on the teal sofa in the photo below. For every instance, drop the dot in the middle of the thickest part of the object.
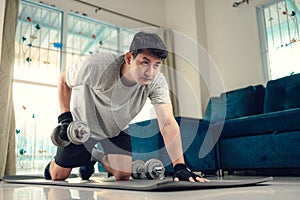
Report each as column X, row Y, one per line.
column 252, row 128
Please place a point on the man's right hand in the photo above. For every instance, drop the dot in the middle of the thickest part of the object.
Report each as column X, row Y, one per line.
column 64, row 120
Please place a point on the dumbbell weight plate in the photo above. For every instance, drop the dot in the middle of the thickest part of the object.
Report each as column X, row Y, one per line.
column 154, row 169
column 138, row 169
column 55, row 138
column 78, row 132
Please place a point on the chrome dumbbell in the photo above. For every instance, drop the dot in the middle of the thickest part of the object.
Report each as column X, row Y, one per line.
column 78, row 132
column 152, row 169
column 138, row 169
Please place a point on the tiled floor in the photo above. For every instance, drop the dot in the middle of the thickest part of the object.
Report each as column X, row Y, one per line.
column 281, row 188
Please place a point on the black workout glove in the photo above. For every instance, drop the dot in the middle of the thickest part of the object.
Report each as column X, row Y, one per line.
column 183, row 173
column 64, row 120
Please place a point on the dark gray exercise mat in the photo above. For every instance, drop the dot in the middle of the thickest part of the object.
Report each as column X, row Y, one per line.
column 137, row 185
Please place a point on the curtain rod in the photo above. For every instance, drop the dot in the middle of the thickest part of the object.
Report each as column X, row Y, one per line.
column 116, row 13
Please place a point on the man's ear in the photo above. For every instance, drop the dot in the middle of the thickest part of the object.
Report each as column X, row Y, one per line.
column 128, row 56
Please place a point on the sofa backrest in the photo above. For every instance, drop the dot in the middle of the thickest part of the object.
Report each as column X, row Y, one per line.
column 238, row 103
column 282, row 94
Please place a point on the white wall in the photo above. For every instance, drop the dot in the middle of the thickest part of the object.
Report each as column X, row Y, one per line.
column 202, row 39
column 233, row 42
column 180, row 17
column 149, row 11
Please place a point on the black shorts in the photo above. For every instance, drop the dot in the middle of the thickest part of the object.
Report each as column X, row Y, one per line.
column 79, row 155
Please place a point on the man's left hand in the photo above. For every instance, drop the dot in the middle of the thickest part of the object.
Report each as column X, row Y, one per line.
column 182, row 173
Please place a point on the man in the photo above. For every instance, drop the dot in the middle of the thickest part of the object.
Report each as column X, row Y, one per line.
column 108, row 91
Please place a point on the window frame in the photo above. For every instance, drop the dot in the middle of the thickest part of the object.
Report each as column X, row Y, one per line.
column 264, row 46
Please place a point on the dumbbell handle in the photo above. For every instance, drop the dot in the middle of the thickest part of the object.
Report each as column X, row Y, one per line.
column 155, row 169
column 158, row 169
column 64, row 134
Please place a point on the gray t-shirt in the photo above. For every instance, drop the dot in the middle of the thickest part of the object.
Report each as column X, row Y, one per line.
column 103, row 101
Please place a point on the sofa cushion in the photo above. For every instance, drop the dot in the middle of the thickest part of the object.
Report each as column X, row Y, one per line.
column 282, row 94
column 261, row 151
column 237, row 103
column 275, row 122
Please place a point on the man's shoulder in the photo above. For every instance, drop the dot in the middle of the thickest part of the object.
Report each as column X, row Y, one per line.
column 101, row 58
column 159, row 79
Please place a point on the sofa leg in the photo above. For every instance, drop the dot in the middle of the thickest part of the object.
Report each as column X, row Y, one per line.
column 220, row 173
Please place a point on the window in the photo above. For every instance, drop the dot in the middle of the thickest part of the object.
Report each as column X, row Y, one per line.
column 38, row 36
column 279, row 31
column 45, row 44
column 36, row 70
column 86, row 36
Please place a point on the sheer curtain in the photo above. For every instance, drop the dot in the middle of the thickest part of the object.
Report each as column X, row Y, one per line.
column 169, row 70
column 7, row 117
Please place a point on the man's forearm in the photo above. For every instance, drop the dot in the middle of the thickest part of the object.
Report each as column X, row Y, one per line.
column 172, row 140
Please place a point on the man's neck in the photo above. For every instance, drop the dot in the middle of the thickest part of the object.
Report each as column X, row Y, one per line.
column 125, row 76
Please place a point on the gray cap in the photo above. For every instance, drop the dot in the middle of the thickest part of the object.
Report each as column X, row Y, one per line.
column 151, row 41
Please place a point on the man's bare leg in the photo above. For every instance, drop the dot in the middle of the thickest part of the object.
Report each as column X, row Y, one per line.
column 118, row 165
column 59, row 173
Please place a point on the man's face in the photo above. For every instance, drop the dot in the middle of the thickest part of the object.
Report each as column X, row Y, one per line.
column 144, row 68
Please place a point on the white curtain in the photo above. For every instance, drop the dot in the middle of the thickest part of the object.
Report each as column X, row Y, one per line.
column 170, row 70
column 7, row 117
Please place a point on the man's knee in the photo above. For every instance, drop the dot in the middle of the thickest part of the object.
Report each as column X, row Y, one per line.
column 122, row 176
column 120, row 166
column 59, row 173
column 57, row 176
